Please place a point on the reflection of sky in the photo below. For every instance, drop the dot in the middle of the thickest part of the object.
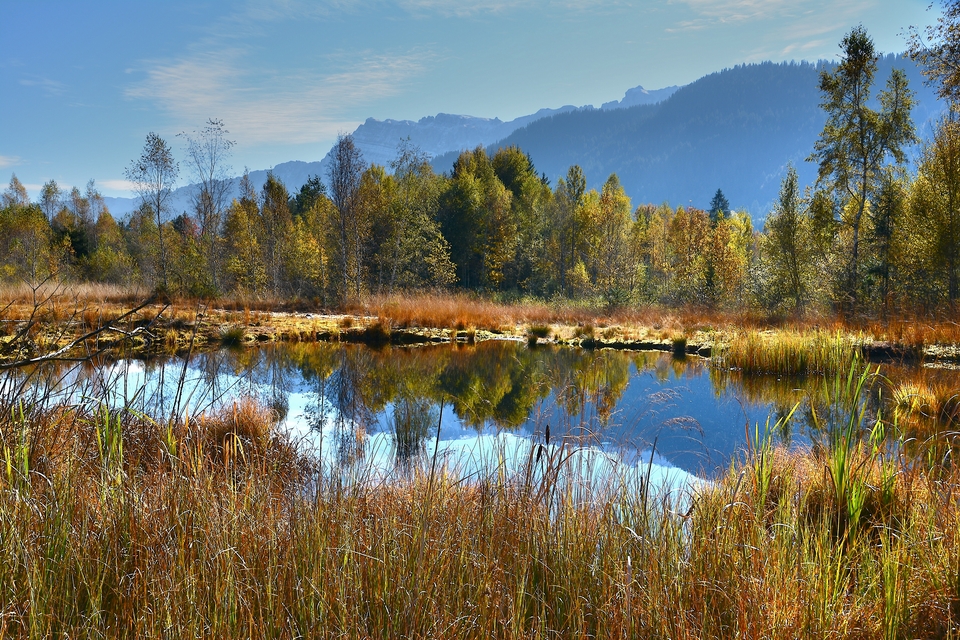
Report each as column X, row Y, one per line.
column 463, row 450
column 585, row 471
column 679, row 412
column 668, row 407
column 692, row 426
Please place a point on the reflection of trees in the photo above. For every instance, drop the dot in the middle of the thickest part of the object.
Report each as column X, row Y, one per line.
column 350, row 396
column 589, row 385
column 782, row 393
column 270, row 368
column 497, row 382
column 353, row 390
column 412, row 419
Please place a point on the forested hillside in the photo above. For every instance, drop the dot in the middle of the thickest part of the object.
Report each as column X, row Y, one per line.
column 735, row 130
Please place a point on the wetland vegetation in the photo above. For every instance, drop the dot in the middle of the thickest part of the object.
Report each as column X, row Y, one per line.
column 189, row 514
column 140, row 518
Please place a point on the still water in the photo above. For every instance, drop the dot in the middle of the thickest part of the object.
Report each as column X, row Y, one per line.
column 678, row 420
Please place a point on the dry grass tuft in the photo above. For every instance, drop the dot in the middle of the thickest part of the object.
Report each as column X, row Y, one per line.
column 789, row 353
column 233, row 335
column 925, row 407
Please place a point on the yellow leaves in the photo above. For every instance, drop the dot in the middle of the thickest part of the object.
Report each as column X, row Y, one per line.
column 305, row 260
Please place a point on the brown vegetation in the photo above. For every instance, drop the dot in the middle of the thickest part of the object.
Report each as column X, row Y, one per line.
column 57, row 314
column 116, row 525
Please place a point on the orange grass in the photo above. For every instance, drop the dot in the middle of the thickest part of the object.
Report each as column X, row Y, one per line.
column 462, row 311
column 65, row 310
column 65, row 293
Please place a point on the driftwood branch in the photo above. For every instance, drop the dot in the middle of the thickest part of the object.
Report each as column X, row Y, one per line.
column 60, row 354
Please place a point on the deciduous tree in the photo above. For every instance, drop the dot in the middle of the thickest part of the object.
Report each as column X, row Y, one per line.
column 207, row 155
column 614, row 262
column 51, row 199
column 935, row 205
column 345, row 171
column 154, row 175
column 276, row 225
column 15, row 195
column 937, row 49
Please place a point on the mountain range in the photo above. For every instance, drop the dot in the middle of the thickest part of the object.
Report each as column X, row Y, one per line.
column 378, row 140
column 736, row 130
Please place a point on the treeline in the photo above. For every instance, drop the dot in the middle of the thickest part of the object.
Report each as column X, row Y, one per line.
column 495, row 225
column 869, row 236
column 492, row 225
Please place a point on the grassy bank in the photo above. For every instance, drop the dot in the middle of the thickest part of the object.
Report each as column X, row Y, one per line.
column 116, row 525
column 91, row 319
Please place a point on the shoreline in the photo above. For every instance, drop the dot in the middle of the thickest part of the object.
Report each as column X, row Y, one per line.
column 178, row 328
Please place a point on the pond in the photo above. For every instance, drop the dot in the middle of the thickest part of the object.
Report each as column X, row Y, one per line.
column 473, row 406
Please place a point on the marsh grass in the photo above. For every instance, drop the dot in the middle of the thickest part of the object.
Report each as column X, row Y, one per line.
column 114, row 524
column 69, row 293
column 233, row 336
column 789, row 353
column 441, row 310
column 678, row 346
column 378, row 333
column 925, row 406
column 537, row 332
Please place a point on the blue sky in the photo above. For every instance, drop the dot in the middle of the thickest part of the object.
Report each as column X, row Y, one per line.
column 84, row 82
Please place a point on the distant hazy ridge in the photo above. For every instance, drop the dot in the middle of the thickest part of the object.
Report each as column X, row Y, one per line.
column 735, row 130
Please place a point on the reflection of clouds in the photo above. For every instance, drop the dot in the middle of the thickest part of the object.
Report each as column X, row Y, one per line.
column 588, row 472
column 333, row 396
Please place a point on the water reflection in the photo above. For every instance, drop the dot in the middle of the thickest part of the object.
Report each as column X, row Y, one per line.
column 346, row 399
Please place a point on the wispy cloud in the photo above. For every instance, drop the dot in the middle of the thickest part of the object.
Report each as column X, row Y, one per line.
column 116, row 185
column 48, row 86
column 455, row 8
column 461, row 9
column 9, row 161
column 224, row 75
column 741, row 10
column 268, row 105
column 710, row 13
column 253, row 18
column 260, row 11
column 783, row 28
